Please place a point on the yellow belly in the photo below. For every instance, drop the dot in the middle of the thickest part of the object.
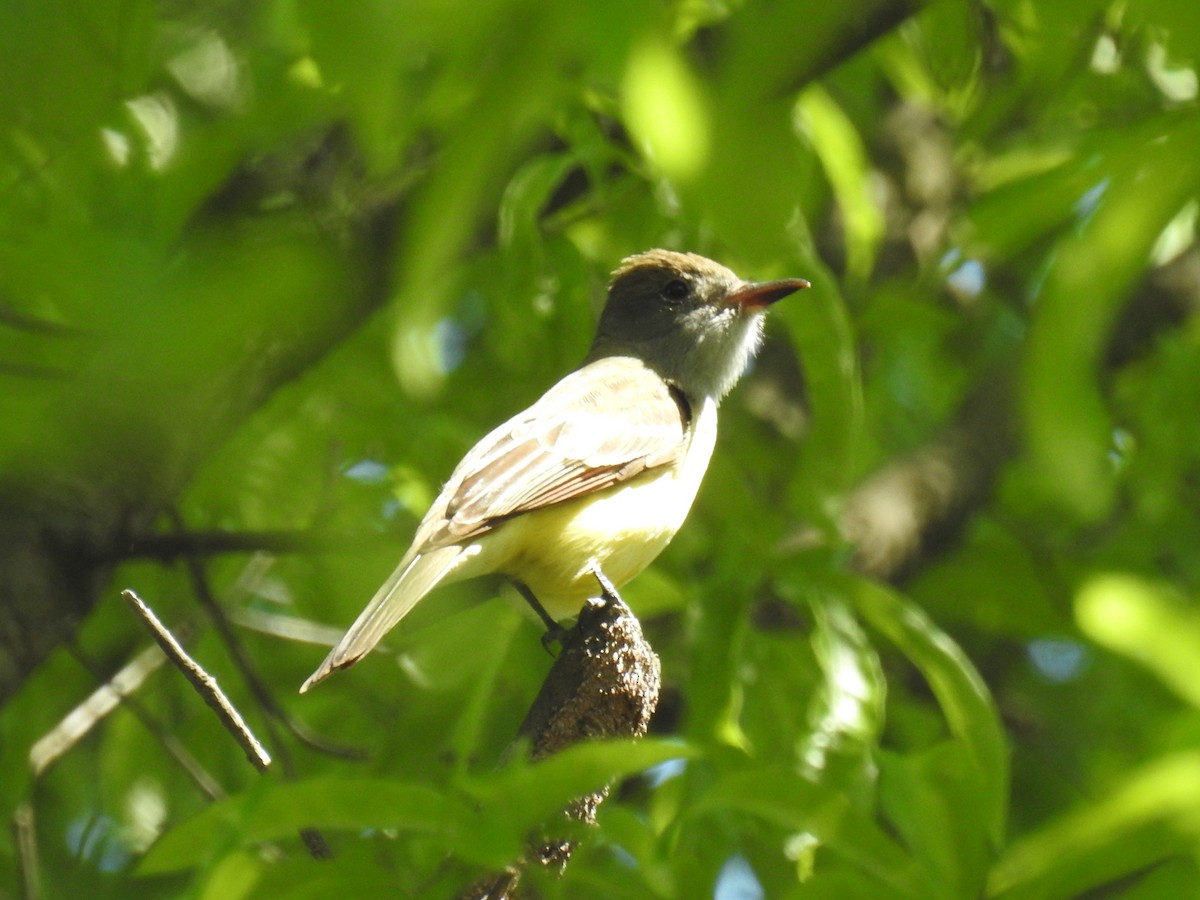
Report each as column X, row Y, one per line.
column 622, row 529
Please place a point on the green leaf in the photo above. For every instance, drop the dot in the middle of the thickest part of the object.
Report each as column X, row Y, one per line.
column 1150, row 814
column 666, row 109
column 843, row 157
column 964, row 698
column 233, row 878
column 1145, row 621
column 820, row 324
column 1068, row 424
column 531, row 792
column 275, row 811
column 933, row 798
column 847, row 711
column 789, row 799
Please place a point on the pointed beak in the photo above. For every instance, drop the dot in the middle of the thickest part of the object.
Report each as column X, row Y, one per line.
column 755, row 296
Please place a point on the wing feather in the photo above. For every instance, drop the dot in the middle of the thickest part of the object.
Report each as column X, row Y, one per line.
column 603, row 424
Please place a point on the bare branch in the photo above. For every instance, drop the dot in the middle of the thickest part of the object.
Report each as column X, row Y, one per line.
column 168, row 547
column 120, row 689
column 900, row 513
column 204, row 684
column 49, row 748
column 906, row 512
column 604, row 684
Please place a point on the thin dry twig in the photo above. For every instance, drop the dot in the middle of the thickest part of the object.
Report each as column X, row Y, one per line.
column 315, row 843
column 25, row 842
column 76, row 724
column 204, row 684
column 286, row 627
column 236, row 649
column 118, row 691
column 263, row 696
column 169, row 547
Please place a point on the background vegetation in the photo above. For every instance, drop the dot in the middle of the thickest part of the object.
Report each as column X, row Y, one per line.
column 268, row 268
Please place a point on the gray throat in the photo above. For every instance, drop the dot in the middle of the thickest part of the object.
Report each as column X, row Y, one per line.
column 706, row 363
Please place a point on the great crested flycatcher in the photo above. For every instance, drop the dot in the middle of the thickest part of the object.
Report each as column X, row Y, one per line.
column 602, row 470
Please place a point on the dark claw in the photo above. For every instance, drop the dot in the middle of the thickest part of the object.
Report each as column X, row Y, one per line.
column 554, row 634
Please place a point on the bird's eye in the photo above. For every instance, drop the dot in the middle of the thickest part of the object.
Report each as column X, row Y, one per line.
column 675, row 289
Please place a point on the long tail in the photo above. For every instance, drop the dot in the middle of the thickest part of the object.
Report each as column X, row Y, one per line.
column 412, row 580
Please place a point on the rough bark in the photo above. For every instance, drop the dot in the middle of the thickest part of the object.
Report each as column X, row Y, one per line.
column 604, row 684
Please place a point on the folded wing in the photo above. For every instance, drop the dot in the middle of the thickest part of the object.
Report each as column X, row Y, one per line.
column 603, row 424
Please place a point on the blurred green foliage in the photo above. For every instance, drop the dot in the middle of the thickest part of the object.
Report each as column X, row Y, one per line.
column 931, row 630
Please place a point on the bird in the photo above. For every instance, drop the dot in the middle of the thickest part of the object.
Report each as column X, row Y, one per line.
column 601, row 471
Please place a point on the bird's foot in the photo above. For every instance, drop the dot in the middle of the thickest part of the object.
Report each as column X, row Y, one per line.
column 554, row 632
column 553, row 638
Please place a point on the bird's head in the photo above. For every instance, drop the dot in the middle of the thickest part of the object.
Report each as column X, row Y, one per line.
column 690, row 319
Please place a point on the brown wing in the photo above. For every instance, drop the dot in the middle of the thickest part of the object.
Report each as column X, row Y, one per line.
column 602, row 424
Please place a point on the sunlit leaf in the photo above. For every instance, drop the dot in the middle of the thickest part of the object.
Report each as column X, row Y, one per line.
column 1150, row 814
column 1146, row 622
column 531, row 792
column 965, row 700
column 234, row 878
column 844, row 159
column 666, row 109
column 281, row 810
column 846, row 716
